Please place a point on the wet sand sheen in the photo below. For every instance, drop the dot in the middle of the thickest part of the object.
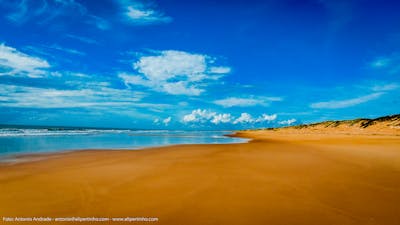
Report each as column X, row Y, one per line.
column 274, row 179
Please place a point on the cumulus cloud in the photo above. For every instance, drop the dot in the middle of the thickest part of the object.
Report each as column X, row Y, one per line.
column 244, row 118
column 139, row 13
column 199, row 115
column 247, row 118
column 14, row 62
column 205, row 116
column 245, row 102
column 287, row 122
column 202, row 116
column 337, row 104
column 266, row 117
column 221, row 118
column 172, row 72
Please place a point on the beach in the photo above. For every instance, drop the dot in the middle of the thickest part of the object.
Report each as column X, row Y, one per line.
column 278, row 177
column 211, row 112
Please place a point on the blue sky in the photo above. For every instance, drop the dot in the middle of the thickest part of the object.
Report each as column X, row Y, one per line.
column 197, row 64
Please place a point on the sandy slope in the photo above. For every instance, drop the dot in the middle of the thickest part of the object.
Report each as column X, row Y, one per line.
column 278, row 178
column 386, row 125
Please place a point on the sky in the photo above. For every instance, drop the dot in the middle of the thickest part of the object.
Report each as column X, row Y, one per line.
column 173, row 64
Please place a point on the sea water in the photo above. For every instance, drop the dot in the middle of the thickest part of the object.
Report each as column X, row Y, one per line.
column 23, row 140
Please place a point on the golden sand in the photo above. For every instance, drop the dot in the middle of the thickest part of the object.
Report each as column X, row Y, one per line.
column 277, row 178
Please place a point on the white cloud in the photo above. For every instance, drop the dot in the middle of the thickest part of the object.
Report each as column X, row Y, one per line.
column 245, row 102
column 205, row 116
column 189, row 118
column 140, row 14
column 133, row 79
column 386, row 87
column 220, row 69
column 14, row 62
column 166, row 121
column 199, row 115
column 336, row 104
column 287, row 122
column 221, row 118
column 247, row 118
column 170, row 63
column 182, row 88
column 244, row 118
column 266, row 117
column 91, row 95
column 202, row 116
column 172, row 72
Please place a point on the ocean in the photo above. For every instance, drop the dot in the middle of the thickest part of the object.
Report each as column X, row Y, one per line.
column 15, row 140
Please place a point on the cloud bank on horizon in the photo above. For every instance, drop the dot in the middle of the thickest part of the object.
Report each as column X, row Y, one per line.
column 179, row 64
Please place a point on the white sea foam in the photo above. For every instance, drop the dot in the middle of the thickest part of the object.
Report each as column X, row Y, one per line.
column 17, row 132
column 20, row 132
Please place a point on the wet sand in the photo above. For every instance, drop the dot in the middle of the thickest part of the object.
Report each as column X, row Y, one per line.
column 277, row 178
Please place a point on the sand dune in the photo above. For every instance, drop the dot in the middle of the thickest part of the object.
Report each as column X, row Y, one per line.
column 386, row 125
column 277, row 178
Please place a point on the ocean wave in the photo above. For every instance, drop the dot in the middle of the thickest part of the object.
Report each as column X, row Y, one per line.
column 20, row 132
column 16, row 132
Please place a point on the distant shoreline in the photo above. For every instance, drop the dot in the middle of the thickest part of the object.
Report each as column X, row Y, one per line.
column 382, row 126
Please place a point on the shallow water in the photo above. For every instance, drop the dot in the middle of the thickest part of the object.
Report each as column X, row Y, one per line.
column 38, row 140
